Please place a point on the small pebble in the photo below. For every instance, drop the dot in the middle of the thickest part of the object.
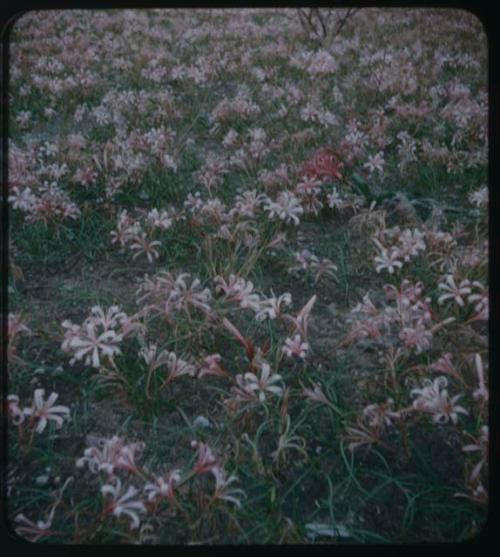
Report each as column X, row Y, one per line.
column 41, row 481
column 201, row 421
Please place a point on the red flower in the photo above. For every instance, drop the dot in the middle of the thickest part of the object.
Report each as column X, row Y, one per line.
column 323, row 164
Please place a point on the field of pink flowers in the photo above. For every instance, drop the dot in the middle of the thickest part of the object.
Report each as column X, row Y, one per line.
column 248, row 276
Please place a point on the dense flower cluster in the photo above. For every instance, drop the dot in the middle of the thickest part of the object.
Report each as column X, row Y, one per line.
column 273, row 185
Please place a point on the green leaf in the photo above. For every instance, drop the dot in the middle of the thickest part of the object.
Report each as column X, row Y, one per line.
column 361, row 187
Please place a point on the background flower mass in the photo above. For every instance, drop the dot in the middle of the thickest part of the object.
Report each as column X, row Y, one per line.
column 248, row 286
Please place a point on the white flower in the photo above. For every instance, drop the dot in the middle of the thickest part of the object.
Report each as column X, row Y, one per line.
column 108, row 320
column 162, row 220
column 222, row 490
column 230, row 139
column 295, row 347
column 323, row 267
column 304, row 260
column 388, row 260
column 375, row 162
column 124, row 504
column 238, row 290
column 86, row 342
column 481, row 300
column 152, row 357
column 334, row 200
column 273, row 307
column 480, row 197
column 264, row 383
column 183, row 296
column 454, row 292
column 411, row 243
column 177, row 366
column 45, row 410
column 141, row 244
column 247, row 203
column 286, row 207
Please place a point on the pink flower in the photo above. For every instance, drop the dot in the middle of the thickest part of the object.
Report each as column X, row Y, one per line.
column 481, row 446
column 362, row 435
column 380, row 415
column 15, row 413
column 34, row 531
column 245, row 342
column 301, row 321
column 206, row 459
column 454, row 292
column 238, row 290
column 417, row 337
column 163, row 487
column 210, row 366
column 481, row 393
column 248, row 203
column 15, row 327
column 433, row 398
column 411, row 243
column 308, row 186
column 113, row 455
column 316, row 395
column 176, row 367
column 444, row 365
column 406, row 295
